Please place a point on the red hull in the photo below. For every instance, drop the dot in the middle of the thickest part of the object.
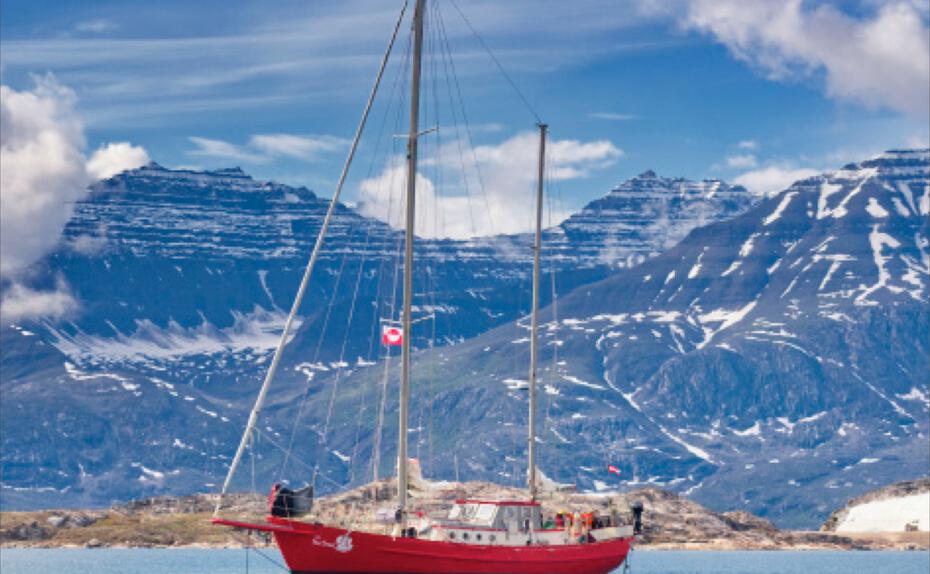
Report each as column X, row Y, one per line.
column 314, row 548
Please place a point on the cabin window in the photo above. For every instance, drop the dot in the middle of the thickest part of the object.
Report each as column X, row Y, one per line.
column 463, row 511
column 493, row 538
column 478, row 537
column 464, row 536
column 452, row 536
column 486, row 512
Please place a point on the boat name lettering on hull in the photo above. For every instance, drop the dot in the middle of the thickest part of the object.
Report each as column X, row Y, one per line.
column 342, row 544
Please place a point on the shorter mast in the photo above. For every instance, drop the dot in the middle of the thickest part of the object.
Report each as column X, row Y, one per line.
column 534, row 322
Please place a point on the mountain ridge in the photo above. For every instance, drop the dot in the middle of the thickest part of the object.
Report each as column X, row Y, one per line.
column 673, row 458
column 183, row 277
column 741, row 367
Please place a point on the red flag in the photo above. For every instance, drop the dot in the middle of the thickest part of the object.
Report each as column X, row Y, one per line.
column 613, row 469
column 391, row 336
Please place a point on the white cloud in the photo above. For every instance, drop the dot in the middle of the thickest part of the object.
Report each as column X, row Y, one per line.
column 747, row 144
column 313, row 52
column 21, row 302
column 297, row 147
column 220, row 149
column 500, row 189
column 487, row 128
column 44, row 170
column 96, row 26
column 878, row 60
column 115, row 158
column 382, row 196
column 89, row 244
column 41, row 142
column 565, row 159
column 263, row 148
column 742, row 161
column 611, row 116
column 772, row 179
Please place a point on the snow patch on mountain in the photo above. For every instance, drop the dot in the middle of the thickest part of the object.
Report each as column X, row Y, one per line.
column 258, row 331
column 724, row 318
column 878, row 240
column 875, row 209
column 780, row 209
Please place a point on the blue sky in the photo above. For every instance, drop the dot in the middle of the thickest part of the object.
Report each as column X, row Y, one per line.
column 752, row 91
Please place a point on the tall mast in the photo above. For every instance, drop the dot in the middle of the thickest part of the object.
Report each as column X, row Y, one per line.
column 408, row 256
column 534, row 323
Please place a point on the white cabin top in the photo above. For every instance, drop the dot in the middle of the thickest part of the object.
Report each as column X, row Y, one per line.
column 496, row 514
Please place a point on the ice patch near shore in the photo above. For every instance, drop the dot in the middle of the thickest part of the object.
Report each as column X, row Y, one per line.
column 888, row 515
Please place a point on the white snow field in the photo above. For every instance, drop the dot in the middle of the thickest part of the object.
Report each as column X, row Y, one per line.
column 888, row 515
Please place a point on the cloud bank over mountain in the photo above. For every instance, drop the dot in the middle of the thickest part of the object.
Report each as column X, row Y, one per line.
column 464, row 193
column 45, row 171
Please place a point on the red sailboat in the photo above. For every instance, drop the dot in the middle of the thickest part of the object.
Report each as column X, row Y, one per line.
column 318, row 548
column 477, row 536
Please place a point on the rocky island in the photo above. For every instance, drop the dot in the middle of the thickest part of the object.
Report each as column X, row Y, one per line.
column 671, row 522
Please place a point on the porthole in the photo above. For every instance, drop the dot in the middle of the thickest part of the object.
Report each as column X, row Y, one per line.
column 478, row 537
column 493, row 538
column 452, row 536
column 465, row 536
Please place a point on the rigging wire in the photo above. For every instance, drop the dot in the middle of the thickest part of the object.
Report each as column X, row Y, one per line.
column 389, row 233
column 436, row 37
column 256, row 409
column 432, row 257
column 439, row 222
column 341, row 361
column 324, row 435
column 376, row 448
column 376, row 440
column 252, row 460
column 497, row 62
column 250, row 547
column 399, row 238
column 400, row 80
column 449, row 63
column 340, row 366
column 376, row 317
column 298, row 460
column 309, row 386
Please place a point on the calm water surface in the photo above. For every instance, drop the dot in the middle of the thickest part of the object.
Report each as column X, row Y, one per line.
column 196, row 561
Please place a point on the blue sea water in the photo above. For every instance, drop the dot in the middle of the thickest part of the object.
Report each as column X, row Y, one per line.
column 198, row 561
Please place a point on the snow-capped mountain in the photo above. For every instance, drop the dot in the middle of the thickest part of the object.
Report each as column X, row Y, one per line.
column 784, row 352
column 645, row 216
column 776, row 362
column 183, row 280
column 156, row 253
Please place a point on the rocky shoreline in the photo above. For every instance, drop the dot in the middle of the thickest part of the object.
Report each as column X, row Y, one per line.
column 671, row 522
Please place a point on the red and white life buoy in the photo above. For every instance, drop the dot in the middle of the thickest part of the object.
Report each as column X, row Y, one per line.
column 392, row 336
